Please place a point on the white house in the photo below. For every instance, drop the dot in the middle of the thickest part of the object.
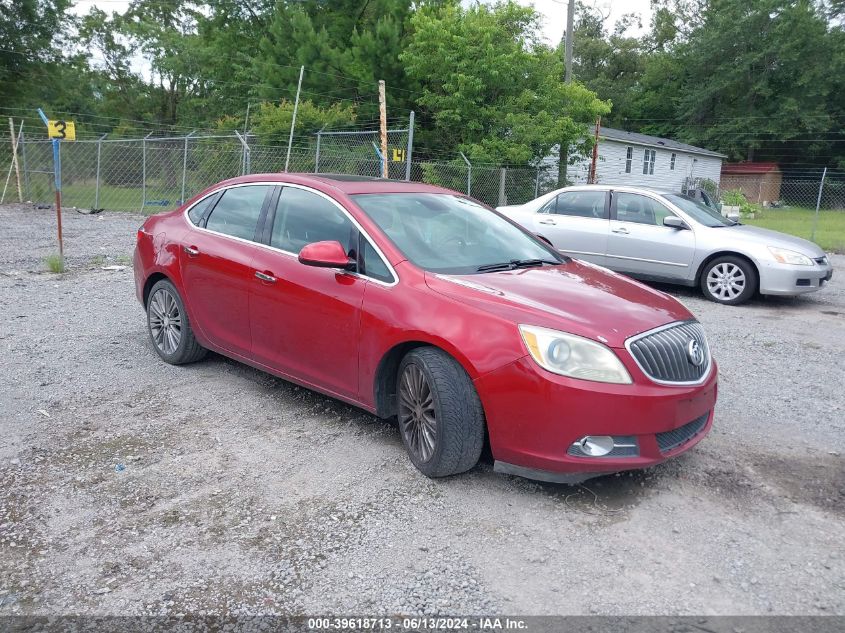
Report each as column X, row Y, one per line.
column 629, row 158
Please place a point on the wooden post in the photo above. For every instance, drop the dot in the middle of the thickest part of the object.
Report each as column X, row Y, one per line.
column 592, row 178
column 15, row 156
column 382, row 113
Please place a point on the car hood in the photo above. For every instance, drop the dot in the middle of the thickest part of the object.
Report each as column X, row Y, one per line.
column 767, row 237
column 575, row 297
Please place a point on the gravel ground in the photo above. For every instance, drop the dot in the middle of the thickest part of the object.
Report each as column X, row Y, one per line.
column 129, row 486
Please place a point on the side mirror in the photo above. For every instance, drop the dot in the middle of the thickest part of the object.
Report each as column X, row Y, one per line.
column 674, row 222
column 328, row 254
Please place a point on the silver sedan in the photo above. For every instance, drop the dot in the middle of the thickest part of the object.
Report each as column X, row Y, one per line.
column 668, row 237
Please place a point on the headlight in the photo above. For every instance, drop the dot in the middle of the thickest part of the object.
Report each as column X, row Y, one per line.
column 785, row 256
column 573, row 356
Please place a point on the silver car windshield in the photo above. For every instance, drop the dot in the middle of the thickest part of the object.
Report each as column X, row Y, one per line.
column 699, row 212
column 451, row 234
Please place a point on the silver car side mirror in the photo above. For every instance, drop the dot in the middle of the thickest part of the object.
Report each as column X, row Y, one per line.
column 674, row 222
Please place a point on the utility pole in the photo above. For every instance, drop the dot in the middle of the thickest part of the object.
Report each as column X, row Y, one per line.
column 293, row 119
column 570, row 26
column 563, row 153
column 382, row 115
column 592, row 179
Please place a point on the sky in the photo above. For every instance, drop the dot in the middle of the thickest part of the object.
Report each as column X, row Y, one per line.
column 553, row 14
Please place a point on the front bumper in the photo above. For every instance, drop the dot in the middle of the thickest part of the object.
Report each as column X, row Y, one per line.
column 788, row 279
column 534, row 416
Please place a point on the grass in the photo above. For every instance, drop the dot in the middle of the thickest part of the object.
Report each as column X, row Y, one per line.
column 84, row 194
column 55, row 263
column 798, row 221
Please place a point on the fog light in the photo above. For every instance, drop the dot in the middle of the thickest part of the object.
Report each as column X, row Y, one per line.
column 595, row 445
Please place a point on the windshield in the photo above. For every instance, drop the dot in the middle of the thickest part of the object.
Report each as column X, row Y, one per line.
column 450, row 234
column 698, row 212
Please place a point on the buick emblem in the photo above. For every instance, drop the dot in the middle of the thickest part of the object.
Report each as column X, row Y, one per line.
column 695, row 353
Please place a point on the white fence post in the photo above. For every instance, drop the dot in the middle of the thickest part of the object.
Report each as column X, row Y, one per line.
column 97, row 184
column 503, row 198
column 410, row 151
column 818, row 204
column 185, row 165
column 144, row 170
column 469, row 173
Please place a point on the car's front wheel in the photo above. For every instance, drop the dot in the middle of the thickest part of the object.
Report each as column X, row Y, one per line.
column 440, row 415
column 730, row 280
column 169, row 326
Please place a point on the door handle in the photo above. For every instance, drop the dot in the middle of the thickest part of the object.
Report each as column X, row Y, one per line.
column 192, row 251
column 265, row 277
column 552, row 222
column 620, row 229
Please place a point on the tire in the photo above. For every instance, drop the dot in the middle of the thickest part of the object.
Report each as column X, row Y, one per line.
column 729, row 280
column 453, row 443
column 169, row 327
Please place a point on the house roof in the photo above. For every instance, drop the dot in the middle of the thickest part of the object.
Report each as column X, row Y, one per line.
column 635, row 138
column 749, row 168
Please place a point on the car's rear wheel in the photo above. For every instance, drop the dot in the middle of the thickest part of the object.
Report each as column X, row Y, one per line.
column 169, row 326
column 729, row 280
column 440, row 415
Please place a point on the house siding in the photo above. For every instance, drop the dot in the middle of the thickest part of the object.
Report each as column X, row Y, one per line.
column 610, row 169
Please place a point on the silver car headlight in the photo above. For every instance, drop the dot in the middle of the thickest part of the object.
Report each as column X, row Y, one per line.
column 573, row 356
column 785, row 256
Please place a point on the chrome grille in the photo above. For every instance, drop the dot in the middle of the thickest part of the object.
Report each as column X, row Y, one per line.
column 664, row 354
column 670, row 440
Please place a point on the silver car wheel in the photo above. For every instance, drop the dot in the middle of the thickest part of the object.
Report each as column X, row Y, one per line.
column 726, row 281
column 165, row 321
column 416, row 413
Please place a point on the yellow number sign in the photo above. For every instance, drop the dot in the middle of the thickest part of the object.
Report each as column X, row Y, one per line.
column 398, row 155
column 63, row 130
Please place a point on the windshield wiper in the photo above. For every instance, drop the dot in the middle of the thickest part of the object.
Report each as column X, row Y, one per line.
column 515, row 263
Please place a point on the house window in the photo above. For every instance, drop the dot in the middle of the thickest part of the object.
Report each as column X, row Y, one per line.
column 648, row 161
column 672, row 163
column 629, row 158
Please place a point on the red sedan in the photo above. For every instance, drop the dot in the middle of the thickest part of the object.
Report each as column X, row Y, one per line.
column 414, row 301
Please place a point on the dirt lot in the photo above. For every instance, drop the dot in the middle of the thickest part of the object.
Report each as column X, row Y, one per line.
column 130, row 486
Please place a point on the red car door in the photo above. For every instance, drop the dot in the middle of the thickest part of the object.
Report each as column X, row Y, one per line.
column 216, row 263
column 305, row 320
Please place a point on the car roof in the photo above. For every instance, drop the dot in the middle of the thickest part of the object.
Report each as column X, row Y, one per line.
column 346, row 183
column 633, row 188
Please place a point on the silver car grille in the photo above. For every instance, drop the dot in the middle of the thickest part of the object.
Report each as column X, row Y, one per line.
column 670, row 440
column 670, row 354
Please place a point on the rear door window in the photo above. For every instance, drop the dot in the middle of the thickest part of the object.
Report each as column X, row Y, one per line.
column 237, row 212
column 582, row 204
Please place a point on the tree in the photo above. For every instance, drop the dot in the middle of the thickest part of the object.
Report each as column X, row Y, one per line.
column 491, row 89
column 609, row 64
column 31, row 32
column 754, row 77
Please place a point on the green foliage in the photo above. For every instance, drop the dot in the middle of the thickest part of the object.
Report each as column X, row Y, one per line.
column 734, row 198
column 491, row 88
column 755, row 79
column 55, row 263
column 29, row 46
column 709, row 186
column 271, row 123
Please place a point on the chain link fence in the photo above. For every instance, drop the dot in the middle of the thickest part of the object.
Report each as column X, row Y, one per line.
column 150, row 174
